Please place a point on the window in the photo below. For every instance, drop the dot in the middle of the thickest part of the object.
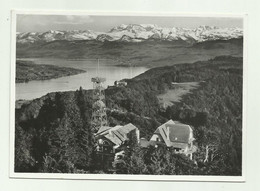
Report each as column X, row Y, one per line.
column 107, row 148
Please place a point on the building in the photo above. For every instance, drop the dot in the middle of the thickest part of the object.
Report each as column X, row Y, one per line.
column 109, row 139
column 120, row 83
column 173, row 134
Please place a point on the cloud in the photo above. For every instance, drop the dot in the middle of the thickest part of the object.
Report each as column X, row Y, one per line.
column 41, row 23
column 74, row 20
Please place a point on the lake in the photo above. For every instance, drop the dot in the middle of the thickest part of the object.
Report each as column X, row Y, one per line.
column 107, row 69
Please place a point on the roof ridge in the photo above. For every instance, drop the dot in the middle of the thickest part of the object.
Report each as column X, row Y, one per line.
column 119, row 136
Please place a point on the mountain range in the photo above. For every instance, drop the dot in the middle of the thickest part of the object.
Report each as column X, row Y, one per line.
column 135, row 33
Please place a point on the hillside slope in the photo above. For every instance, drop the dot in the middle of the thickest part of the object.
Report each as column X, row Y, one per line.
column 148, row 53
column 52, row 133
column 27, row 71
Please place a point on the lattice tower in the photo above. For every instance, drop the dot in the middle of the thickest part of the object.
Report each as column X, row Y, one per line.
column 99, row 116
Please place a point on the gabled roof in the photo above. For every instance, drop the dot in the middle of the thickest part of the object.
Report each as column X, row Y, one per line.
column 117, row 134
column 102, row 129
column 157, row 131
column 179, row 134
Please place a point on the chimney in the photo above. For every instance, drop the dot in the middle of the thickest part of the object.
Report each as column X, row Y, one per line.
column 111, row 132
column 137, row 134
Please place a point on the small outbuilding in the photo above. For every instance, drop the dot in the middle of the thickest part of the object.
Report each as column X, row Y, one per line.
column 120, row 83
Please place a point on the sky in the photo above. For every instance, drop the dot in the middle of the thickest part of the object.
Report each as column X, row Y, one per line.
column 42, row 23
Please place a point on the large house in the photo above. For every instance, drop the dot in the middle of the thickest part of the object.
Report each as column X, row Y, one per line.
column 109, row 139
column 173, row 134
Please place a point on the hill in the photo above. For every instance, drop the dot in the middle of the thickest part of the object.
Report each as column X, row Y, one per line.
column 147, row 53
column 27, row 71
column 52, row 133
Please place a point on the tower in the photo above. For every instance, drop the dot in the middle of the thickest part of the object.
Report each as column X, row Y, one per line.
column 99, row 116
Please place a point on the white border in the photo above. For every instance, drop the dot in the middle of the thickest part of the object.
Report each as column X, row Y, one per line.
column 190, row 178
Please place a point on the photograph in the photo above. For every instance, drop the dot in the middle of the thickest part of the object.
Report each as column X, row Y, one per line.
column 127, row 96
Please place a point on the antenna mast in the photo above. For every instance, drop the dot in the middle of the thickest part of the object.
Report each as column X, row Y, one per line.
column 99, row 116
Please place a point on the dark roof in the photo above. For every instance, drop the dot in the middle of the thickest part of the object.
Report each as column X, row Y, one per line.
column 117, row 134
column 179, row 134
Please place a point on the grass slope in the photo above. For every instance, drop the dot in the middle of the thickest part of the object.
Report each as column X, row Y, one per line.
column 176, row 93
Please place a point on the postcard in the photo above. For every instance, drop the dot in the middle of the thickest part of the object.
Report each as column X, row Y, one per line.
column 127, row 96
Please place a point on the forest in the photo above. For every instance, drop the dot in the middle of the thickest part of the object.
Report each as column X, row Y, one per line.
column 148, row 53
column 27, row 71
column 53, row 134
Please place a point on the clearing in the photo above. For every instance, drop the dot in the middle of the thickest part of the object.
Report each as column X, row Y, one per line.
column 176, row 92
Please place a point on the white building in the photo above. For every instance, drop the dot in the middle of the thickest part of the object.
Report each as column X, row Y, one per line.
column 176, row 135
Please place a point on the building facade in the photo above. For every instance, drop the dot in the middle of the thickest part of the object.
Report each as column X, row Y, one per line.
column 175, row 135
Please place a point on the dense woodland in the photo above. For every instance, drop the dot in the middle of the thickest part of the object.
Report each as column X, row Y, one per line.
column 148, row 53
column 52, row 133
column 28, row 70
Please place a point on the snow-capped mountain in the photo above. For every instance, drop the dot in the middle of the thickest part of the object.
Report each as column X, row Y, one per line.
column 136, row 33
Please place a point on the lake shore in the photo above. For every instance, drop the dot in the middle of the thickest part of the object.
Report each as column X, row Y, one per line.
column 37, row 88
column 27, row 71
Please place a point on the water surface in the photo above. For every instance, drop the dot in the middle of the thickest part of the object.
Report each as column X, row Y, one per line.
column 107, row 69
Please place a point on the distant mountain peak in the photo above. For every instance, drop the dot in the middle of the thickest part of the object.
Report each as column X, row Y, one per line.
column 136, row 33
